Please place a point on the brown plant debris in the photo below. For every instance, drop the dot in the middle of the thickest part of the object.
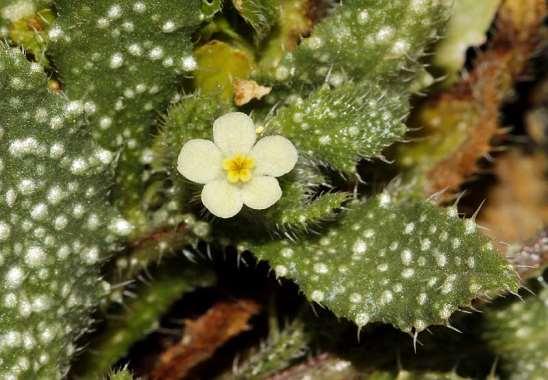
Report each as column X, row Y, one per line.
column 203, row 336
column 484, row 90
column 537, row 118
column 462, row 121
column 247, row 90
column 517, row 211
column 517, row 208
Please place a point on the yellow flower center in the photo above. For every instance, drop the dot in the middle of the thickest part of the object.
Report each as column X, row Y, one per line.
column 238, row 168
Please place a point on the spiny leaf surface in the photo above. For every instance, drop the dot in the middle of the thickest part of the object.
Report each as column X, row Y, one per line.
column 260, row 14
column 55, row 222
column 519, row 334
column 365, row 38
column 122, row 59
column 407, row 263
column 339, row 126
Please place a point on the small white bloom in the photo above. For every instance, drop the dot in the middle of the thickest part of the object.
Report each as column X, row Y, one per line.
column 235, row 170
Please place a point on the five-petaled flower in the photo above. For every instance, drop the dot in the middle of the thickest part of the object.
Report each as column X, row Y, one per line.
column 235, row 170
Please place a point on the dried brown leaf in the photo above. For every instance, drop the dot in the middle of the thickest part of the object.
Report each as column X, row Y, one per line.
column 247, row 90
column 517, row 207
column 517, row 211
column 203, row 337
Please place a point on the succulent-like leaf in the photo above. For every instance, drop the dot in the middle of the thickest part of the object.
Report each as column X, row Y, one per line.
column 55, row 222
column 365, row 38
column 301, row 207
column 260, row 14
column 140, row 316
column 518, row 333
column 13, row 10
column 339, row 126
column 407, row 263
column 275, row 354
column 122, row 60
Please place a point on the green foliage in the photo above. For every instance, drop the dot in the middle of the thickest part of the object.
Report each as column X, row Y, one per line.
column 365, row 39
column 122, row 60
column 191, row 118
column 341, row 96
column 140, row 316
column 55, row 222
column 260, row 14
column 13, row 10
column 123, row 374
column 337, row 126
column 26, row 23
column 219, row 64
column 171, row 231
column 211, row 7
column 299, row 209
column 403, row 262
column 518, row 333
column 275, row 354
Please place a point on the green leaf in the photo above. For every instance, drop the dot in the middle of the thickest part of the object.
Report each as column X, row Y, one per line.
column 26, row 24
column 123, row 61
column 365, row 39
column 337, row 127
column 219, row 64
column 123, row 374
column 55, row 222
column 407, row 263
column 211, row 7
column 14, row 10
column 518, row 334
column 276, row 353
column 260, row 14
column 140, row 316
column 191, row 118
column 300, row 207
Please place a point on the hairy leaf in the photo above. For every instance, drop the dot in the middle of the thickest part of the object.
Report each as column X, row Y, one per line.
column 407, row 263
column 55, row 222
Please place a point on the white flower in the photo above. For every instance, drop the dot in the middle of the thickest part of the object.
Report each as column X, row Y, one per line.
column 235, row 170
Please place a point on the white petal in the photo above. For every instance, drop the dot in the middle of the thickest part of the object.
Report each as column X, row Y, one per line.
column 261, row 192
column 222, row 199
column 234, row 133
column 274, row 156
column 200, row 161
